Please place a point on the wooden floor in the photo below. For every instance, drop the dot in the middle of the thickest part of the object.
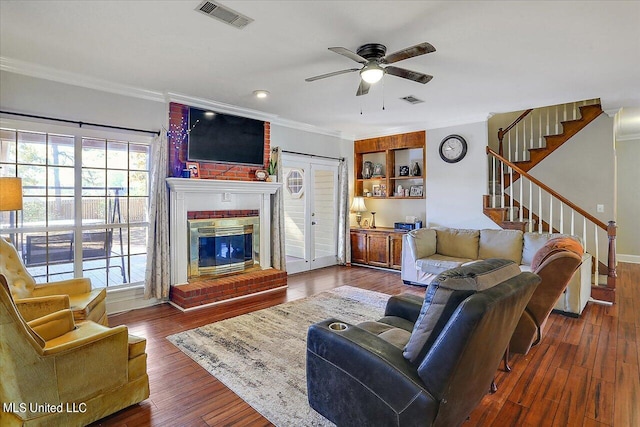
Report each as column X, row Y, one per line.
column 585, row 372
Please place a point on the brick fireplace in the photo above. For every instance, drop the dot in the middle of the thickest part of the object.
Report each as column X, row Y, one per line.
column 208, row 199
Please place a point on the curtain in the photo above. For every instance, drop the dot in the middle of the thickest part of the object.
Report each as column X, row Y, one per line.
column 344, row 242
column 157, row 274
column 278, row 255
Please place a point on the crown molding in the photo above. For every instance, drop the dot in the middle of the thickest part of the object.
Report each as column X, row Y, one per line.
column 611, row 112
column 47, row 73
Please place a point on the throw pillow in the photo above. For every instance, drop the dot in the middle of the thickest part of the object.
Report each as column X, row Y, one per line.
column 445, row 293
column 553, row 246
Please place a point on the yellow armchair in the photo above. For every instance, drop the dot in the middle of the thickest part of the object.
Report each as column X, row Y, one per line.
column 56, row 371
column 84, row 302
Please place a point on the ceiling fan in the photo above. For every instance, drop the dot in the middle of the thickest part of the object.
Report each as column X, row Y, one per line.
column 372, row 56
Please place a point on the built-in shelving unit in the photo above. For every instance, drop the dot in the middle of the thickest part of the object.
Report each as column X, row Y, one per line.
column 391, row 153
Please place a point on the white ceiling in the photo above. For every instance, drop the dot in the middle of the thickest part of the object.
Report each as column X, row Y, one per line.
column 491, row 57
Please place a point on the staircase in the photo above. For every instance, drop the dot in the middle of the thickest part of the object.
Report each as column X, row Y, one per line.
column 519, row 201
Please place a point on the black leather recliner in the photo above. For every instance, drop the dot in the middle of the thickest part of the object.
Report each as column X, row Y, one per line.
column 425, row 363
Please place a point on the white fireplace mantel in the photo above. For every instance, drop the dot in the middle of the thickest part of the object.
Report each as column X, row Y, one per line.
column 213, row 195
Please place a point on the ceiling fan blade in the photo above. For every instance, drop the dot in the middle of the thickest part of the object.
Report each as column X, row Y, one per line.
column 408, row 74
column 363, row 89
column 349, row 54
column 410, row 52
column 335, row 73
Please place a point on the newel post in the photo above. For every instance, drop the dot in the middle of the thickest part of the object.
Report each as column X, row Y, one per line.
column 611, row 273
column 500, row 138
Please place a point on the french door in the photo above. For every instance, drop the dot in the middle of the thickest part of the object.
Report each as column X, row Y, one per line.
column 310, row 189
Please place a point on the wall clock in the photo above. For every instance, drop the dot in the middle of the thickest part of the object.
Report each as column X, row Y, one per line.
column 453, row 148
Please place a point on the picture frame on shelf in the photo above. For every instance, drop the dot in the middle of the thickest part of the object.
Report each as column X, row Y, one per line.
column 378, row 172
column 416, row 191
column 404, row 170
column 194, row 170
column 376, row 190
column 383, row 190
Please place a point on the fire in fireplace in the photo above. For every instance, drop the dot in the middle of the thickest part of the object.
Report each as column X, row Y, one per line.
column 222, row 246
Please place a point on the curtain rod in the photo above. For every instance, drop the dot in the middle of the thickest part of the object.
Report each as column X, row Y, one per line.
column 341, row 159
column 80, row 124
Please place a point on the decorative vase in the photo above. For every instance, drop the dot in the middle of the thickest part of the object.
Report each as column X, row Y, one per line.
column 367, row 170
column 373, row 220
column 415, row 169
column 273, row 178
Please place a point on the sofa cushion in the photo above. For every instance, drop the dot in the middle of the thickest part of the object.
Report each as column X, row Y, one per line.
column 457, row 242
column 437, row 263
column 553, row 246
column 425, row 242
column 533, row 242
column 444, row 295
column 505, row 244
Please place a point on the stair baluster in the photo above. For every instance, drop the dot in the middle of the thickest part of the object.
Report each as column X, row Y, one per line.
column 505, row 172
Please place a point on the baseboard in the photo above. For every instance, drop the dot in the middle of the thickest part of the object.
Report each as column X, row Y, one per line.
column 120, row 300
column 633, row 259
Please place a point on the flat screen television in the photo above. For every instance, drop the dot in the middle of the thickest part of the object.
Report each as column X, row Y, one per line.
column 217, row 137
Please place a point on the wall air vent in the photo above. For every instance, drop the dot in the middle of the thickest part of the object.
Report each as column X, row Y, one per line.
column 224, row 14
column 412, row 99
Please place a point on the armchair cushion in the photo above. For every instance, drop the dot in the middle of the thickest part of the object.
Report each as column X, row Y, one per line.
column 445, row 294
column 437, row 263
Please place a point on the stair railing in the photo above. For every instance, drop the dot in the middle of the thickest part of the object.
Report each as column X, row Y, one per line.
column 530, row 128
column 545, row 210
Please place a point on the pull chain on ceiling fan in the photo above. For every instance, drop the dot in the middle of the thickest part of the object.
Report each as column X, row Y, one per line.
column 372, row 57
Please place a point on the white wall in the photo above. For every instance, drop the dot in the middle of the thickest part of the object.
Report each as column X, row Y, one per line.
column 455, row 190
column 628, row 200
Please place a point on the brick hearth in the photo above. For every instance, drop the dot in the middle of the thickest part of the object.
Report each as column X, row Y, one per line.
column 207, row 290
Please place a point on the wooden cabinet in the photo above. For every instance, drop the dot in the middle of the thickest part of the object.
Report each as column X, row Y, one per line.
column 388, row 155
column 379, row 247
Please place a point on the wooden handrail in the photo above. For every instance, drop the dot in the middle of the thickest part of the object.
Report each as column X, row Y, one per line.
column 549, row 190
column 501, row 133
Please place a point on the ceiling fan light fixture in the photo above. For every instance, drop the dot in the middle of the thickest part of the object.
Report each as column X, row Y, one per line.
column 372, row 73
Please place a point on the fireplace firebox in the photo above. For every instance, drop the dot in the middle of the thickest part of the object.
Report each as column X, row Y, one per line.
column 223, row 246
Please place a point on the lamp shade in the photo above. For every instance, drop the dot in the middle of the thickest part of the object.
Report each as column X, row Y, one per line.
column 10, row 193
column 358, row 205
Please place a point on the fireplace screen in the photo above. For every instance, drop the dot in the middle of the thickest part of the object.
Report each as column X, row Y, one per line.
column 221, row 246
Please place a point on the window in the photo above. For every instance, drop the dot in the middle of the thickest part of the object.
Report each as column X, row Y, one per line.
column 294, row 183
column 85, row 206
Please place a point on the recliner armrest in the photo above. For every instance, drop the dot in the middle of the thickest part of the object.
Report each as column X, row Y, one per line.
column 406, row 306
column 368, row 359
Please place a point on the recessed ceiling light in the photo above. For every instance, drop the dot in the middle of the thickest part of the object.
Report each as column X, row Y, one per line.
column 261, row 93
column 209, row 114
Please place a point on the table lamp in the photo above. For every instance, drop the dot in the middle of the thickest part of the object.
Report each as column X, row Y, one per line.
column 10, row 193
column 358, row 207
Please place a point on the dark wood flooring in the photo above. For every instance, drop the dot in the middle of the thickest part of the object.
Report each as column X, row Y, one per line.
column 585, row 371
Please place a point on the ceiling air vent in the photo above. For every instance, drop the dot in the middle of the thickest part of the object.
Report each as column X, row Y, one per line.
column 224, row 14
column 412, row 99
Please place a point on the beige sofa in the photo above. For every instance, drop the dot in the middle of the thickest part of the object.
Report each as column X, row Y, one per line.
column 428, row 252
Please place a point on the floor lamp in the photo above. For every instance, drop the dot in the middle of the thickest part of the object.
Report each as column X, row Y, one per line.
column 10, row 196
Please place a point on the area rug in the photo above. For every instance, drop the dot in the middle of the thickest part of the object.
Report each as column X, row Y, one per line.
column 261, row 356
